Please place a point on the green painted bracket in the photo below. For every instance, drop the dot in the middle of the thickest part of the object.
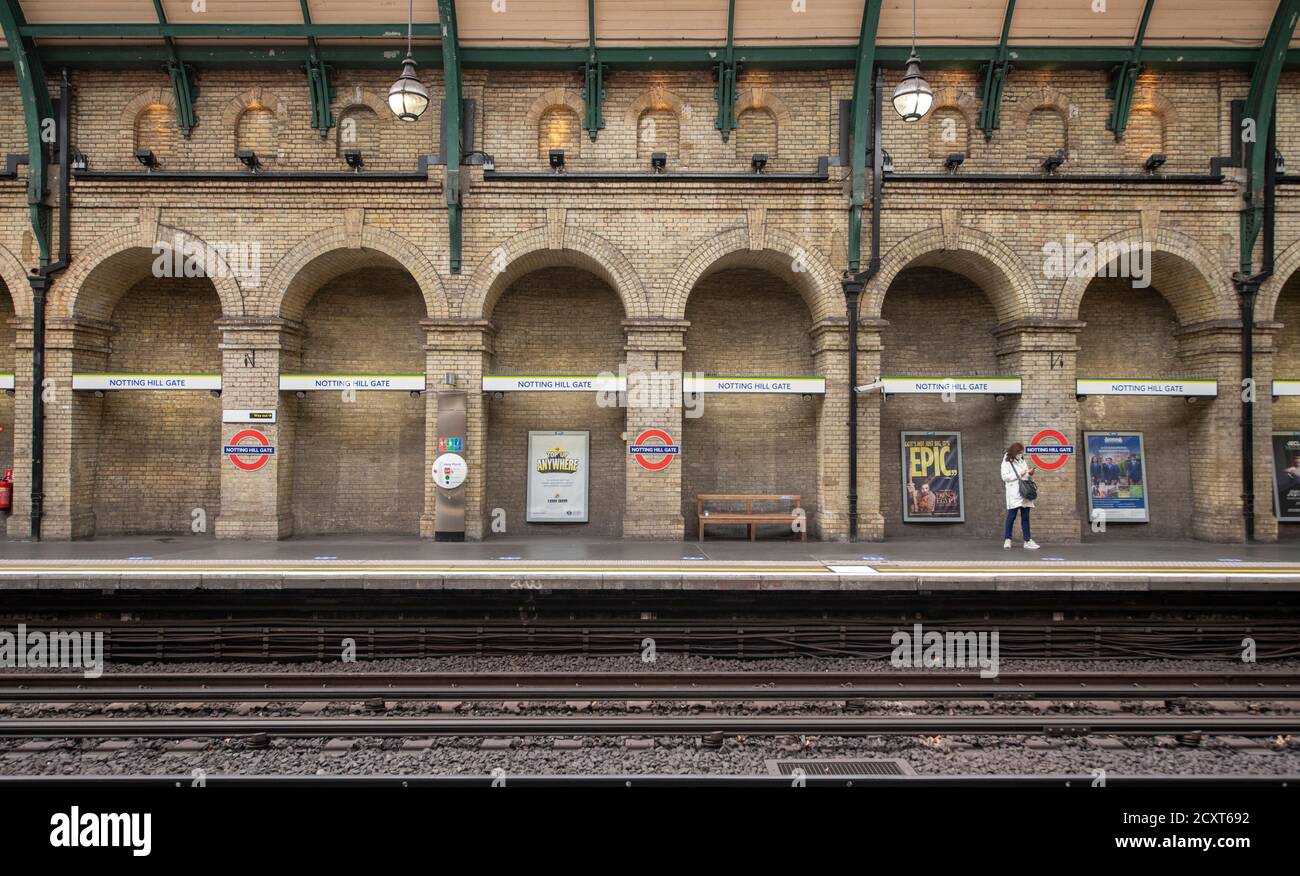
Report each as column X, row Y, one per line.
column 593, row 78
column 862, row 81
column 726, row 70
column 451, row 129
column 38, row 115
column 318, row 81
column 184, row 91
column 993, row 79
column 1123, row 79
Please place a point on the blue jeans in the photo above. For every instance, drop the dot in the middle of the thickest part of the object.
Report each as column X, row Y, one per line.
column 1011, row 520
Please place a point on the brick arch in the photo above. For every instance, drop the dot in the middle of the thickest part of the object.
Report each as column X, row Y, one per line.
column 760, row 97
column 358, row 96
column 158, row 96
column 964, row 102
column 255, row 97
column 659, row 97
column 15, row 279
column 105, row 270
column 1284, row 268
column 1043, row 98
column 1148, row 97
column 554, row 97
column 1182, row 270
column 537, row 248
column 780, row 253
column 976, row 255
column 334, row 251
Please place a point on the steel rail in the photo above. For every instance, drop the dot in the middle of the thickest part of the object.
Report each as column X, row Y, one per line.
column 652, row 725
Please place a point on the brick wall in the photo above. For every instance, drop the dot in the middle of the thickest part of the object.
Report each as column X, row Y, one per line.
column 359, row 464
column 941, row 325
column 748, row 323
column 556, row 321
column 159, row 452
column 1130, row 328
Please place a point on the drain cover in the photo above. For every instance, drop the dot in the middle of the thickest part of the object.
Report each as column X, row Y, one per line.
column 844, row 766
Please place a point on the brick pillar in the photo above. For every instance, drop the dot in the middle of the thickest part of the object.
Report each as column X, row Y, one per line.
column 1213, row 350
column 254, row 352
column 72, row 425
column 20, row 523
column 1265, row 346
column 830, row 518
column 1042, row 354
column 463, row 348
column 654, row 498
column 871, row 520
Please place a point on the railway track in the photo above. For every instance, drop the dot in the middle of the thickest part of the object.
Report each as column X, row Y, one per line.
column 616, row 686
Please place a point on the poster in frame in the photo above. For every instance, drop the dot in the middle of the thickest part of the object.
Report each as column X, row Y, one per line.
column 1115, row 464
column 559, row 476
column 1286, row 476
column 932, row 477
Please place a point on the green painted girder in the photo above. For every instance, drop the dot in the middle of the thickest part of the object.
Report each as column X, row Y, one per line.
column 225, row 31
column 993, row 79
column 725, row 91
column 862, row 103
column 184, row 91
column 1124, row 80
column 38, row 115
column 1258, row 114
column 318, row 82
column 593, row 78
column 451, row 129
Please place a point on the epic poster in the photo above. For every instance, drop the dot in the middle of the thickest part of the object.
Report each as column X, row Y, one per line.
column 932, row 491
column 557, row 477
column 1117, row 484
column 1286, row 475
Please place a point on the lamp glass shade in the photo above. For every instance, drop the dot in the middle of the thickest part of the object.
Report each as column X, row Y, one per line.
column 913, row 97
column 408, row 98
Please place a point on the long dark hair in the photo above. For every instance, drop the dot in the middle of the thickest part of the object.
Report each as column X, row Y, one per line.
column 1016, row 449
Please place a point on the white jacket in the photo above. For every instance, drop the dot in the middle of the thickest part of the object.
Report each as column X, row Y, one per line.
column 1011, row 475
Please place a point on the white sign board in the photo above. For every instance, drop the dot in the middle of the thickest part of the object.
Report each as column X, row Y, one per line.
column 1123, row 386
column 954, row 385
column 145, row 381
column 1280, row 387
column 770, row 385
column 6, row 381
column 553, row 383
column 450, row 471
column 248, row 416
column 369, row 382
column 558, row 477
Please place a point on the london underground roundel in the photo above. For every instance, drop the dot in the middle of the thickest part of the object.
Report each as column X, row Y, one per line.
column 1049, row 449
column 654, row 450
column 248, row 450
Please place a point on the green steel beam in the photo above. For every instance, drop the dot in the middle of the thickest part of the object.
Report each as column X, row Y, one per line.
column 725, row 92
column 862, row 82
column 38, row 114
column 993, row 78
column 1258, row 117
column 593, row 76
column 318, row 82
column 184, row 90
column 225, row 31
column 1124, row 80
column 451, row 129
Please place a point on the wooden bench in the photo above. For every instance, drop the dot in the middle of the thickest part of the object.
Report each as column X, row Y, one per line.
column 749, row 517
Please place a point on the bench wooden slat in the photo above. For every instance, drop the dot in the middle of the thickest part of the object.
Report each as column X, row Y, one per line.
column 749, row 516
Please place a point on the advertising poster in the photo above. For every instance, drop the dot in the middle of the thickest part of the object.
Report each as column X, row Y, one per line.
column 1286, row 475
column 932, row 490
column 557, row 477
column 1116, row 467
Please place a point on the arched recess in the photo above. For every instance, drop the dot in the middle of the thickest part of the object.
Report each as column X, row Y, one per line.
column 1279, row 306
column 949, row 122
column 14, row 277
column 975, row 254
column 155, row 99
column 761, row 117
column 1054, row 108
column 544, row 247
column 257, row 100
column 778, row 252
column 1193, row 281
column 551, row 98
column 1285, row 266
column 322, row 256
column 657, row 119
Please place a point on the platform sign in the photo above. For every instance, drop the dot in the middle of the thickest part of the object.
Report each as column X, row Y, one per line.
column 754, row 385
column 1281, row 388
column 6, row 381
column 554, row 383
column 1136, row 386
column 367, row 382
column 932, row 485
column 559, row 476
column 950, row 385
column 1116, row 465
column 117, row 382
column 1286, row 475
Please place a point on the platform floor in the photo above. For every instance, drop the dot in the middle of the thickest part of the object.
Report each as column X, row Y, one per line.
column 396, row 562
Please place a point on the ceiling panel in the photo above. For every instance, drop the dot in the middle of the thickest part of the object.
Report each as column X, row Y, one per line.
column 524, row 23
column 1073, row 22
column 88, row 11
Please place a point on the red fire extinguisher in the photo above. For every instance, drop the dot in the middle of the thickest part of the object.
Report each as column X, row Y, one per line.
column 7, row 490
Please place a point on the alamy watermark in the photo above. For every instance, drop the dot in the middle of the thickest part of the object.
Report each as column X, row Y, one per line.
column 954, row 649
column 57, row 649
column 240, row 259
column 1072, row 258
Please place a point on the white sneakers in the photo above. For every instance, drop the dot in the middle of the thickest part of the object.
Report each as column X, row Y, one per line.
column 1031, row 545
column 1006, row 545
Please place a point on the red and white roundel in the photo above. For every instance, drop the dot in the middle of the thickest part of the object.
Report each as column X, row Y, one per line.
column 252, row 456
column 654, row 449
column 1049, row 449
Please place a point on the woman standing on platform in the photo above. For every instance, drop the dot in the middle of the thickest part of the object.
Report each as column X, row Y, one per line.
column 1017, row 477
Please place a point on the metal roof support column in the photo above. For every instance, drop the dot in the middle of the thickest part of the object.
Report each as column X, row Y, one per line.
column 726, row 70
column 1124, row 80
column 451, row 147
column 861, row 107
column 593, row 90
column 183, row 88
column 318, row 78
column 993, row 78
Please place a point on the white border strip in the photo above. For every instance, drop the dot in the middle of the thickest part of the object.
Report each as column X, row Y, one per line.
column 553, row 383
column 1141, row 386
column 367, row 382
column 764, row 385
column 146, row 381
column 950, row 385
column 1284, row 388
column 6, row 381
